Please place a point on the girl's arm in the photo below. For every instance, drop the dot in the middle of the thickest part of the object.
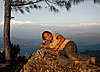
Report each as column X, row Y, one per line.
column 61, row 41
column 59, row 44
column 43, row 44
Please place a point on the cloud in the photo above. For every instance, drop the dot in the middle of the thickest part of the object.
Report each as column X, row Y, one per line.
column 1, row 23
column 18, row 22
column 85, row 25
column 13, row 22
column 43, row 25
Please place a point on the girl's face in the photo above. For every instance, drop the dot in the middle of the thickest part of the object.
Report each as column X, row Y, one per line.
column 48, row 36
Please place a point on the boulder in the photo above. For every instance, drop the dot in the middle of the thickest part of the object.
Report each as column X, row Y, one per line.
column 45, row 61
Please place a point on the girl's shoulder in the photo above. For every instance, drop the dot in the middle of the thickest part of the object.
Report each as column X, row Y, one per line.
column 56, row 35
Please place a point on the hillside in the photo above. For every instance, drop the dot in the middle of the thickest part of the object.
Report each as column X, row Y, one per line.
column 45, row 61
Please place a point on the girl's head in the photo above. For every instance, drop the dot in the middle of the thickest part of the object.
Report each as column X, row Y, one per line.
column 46, row 35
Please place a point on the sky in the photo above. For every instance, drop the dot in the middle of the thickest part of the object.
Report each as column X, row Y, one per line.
column 83, row 13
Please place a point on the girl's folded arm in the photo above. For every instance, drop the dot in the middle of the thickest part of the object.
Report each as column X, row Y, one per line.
column 61, row 40
column 43, row 46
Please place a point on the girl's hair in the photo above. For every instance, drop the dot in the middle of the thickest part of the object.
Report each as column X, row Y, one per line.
column 44, row 33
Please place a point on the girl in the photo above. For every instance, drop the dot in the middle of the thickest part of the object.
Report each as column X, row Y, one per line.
column 64, row 47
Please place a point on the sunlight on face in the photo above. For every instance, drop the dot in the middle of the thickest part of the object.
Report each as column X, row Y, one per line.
column 48, row 36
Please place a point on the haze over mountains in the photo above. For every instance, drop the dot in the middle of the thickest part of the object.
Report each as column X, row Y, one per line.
column 28, row 35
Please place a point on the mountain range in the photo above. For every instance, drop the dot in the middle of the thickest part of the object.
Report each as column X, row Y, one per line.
column 28, row 36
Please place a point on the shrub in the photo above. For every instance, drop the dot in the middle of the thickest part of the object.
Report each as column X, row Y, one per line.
column 15, row 51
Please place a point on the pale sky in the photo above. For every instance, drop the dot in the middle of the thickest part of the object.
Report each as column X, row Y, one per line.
column 86, row 12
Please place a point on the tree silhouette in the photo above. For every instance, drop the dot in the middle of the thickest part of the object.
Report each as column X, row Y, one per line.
column 26, row 5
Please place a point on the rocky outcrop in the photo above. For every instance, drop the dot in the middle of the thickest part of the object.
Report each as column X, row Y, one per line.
column 45, row 61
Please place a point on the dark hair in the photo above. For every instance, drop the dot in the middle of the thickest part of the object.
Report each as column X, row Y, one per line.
column 44, row 33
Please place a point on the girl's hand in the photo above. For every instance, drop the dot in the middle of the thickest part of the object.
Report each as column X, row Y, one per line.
column 44, row 41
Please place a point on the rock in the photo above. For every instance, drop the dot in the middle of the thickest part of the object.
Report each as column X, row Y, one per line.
column 3, row 65
column 2, row 50
column 45, row 61
column 2, row 55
